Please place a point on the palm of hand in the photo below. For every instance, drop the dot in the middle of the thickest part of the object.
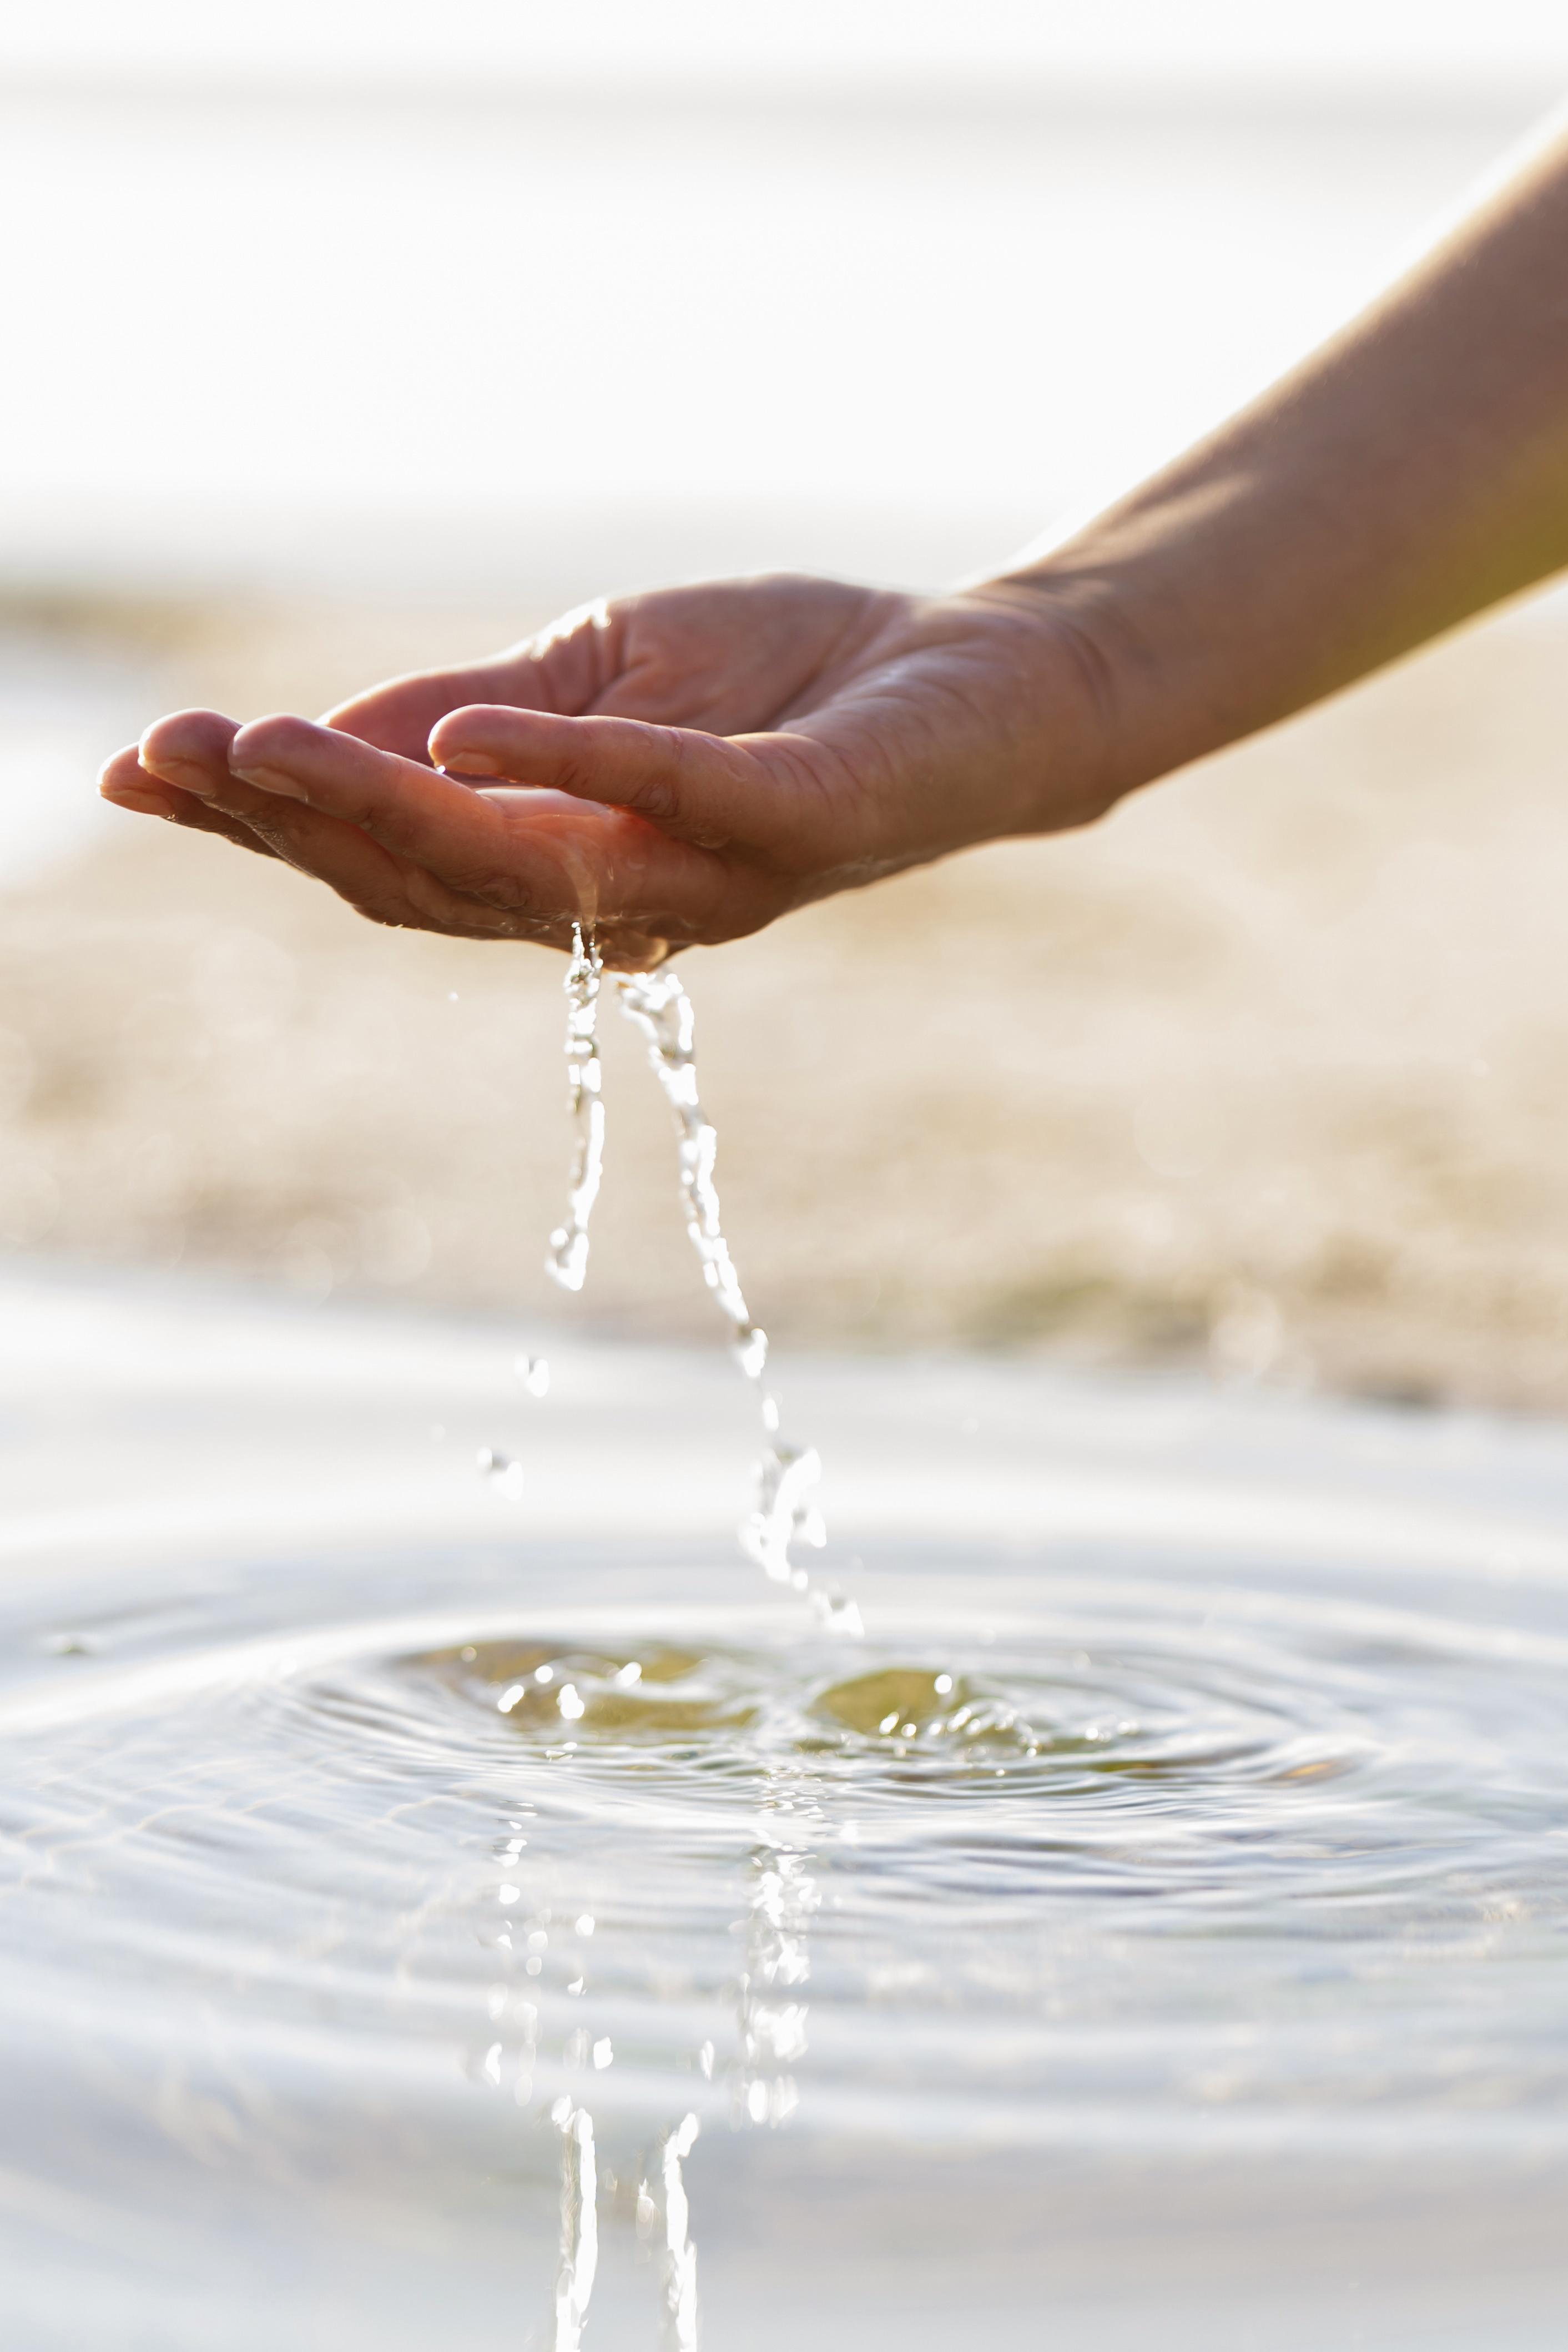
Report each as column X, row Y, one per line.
column 676, row 767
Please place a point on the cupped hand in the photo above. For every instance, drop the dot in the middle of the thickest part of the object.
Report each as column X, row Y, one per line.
column 676, row 767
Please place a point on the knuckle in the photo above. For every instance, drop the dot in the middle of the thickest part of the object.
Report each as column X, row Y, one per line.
column 576, row 775
column 656, row 798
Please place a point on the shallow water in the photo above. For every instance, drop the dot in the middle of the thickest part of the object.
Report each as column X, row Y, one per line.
column 1154, row 1926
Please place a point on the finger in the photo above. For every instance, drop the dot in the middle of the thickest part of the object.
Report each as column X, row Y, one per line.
column 709, row 790
column 564, row 667
column 408, row 809
column 188, row 748
column 535, row 854
column 124, row 781
column 189, row 751
column 398, row 715
column 557, row 871
column 127, row 784
column 406, row 845
column 196, row 816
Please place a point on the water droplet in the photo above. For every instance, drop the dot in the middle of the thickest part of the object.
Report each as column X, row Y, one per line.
column 568, row 1260
column 509, row 1478
column 508, row 1475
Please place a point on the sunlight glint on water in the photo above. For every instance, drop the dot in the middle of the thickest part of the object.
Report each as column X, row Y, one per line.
column 1149, row 1853
column 409, row 1920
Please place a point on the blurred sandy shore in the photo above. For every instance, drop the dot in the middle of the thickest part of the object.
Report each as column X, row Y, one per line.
column 1269, row 1067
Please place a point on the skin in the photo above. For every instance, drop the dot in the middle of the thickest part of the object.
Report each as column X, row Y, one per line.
column 686, row 766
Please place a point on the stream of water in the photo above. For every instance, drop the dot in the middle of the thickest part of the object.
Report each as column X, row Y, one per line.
column 784, row 1511
column 429, row 1918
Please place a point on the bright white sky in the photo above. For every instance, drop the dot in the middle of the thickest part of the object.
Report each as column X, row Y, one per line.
column 691, row 39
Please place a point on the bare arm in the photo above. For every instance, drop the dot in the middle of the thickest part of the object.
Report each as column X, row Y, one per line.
column 690, row 764
column 1412, row 472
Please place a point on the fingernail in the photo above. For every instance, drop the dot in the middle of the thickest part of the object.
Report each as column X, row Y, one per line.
column 188, row 776
column 133, row 796
column 469, row 763
column 271, row 780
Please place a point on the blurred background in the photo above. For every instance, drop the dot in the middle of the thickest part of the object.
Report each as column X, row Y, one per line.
column 346, row 339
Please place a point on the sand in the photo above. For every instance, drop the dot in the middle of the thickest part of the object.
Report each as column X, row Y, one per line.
column 1268, row 1069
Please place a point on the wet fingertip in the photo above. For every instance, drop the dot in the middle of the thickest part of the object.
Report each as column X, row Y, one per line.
column 462, row 766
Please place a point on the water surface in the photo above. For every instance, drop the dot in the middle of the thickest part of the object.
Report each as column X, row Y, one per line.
column 1153, row 1926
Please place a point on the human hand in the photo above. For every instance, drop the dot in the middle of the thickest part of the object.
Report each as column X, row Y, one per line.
column 676, row 767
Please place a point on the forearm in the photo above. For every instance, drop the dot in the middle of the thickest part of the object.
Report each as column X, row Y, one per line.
column 686, row 765
column 1409, row 473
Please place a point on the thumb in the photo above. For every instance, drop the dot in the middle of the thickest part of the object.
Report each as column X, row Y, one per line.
column 715, row 790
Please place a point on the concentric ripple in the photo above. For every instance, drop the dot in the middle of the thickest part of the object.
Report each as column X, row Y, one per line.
column 939, row 1715
column 1082, row 1799
column 1119, row 1864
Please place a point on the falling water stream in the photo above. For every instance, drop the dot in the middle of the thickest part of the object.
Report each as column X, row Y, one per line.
column 446, row 1911
column 657, row 1004
column 784, row 1512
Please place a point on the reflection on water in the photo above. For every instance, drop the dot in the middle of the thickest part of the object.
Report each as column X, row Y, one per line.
column 579, row 2222
column 1116, row 1861
column 532, row 1927
column 680, row 2259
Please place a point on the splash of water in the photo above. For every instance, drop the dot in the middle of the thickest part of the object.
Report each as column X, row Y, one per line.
column 578, row 2223
column 655, row 1003
column 568, row 1259
column 679, row 2255
column 658, row 1006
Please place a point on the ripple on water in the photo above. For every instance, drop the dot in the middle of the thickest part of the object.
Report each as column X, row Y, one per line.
column 1130, row 1864
column 1047, row 1720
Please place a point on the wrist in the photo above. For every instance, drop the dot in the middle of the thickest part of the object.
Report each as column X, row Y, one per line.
column 1085, row 737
